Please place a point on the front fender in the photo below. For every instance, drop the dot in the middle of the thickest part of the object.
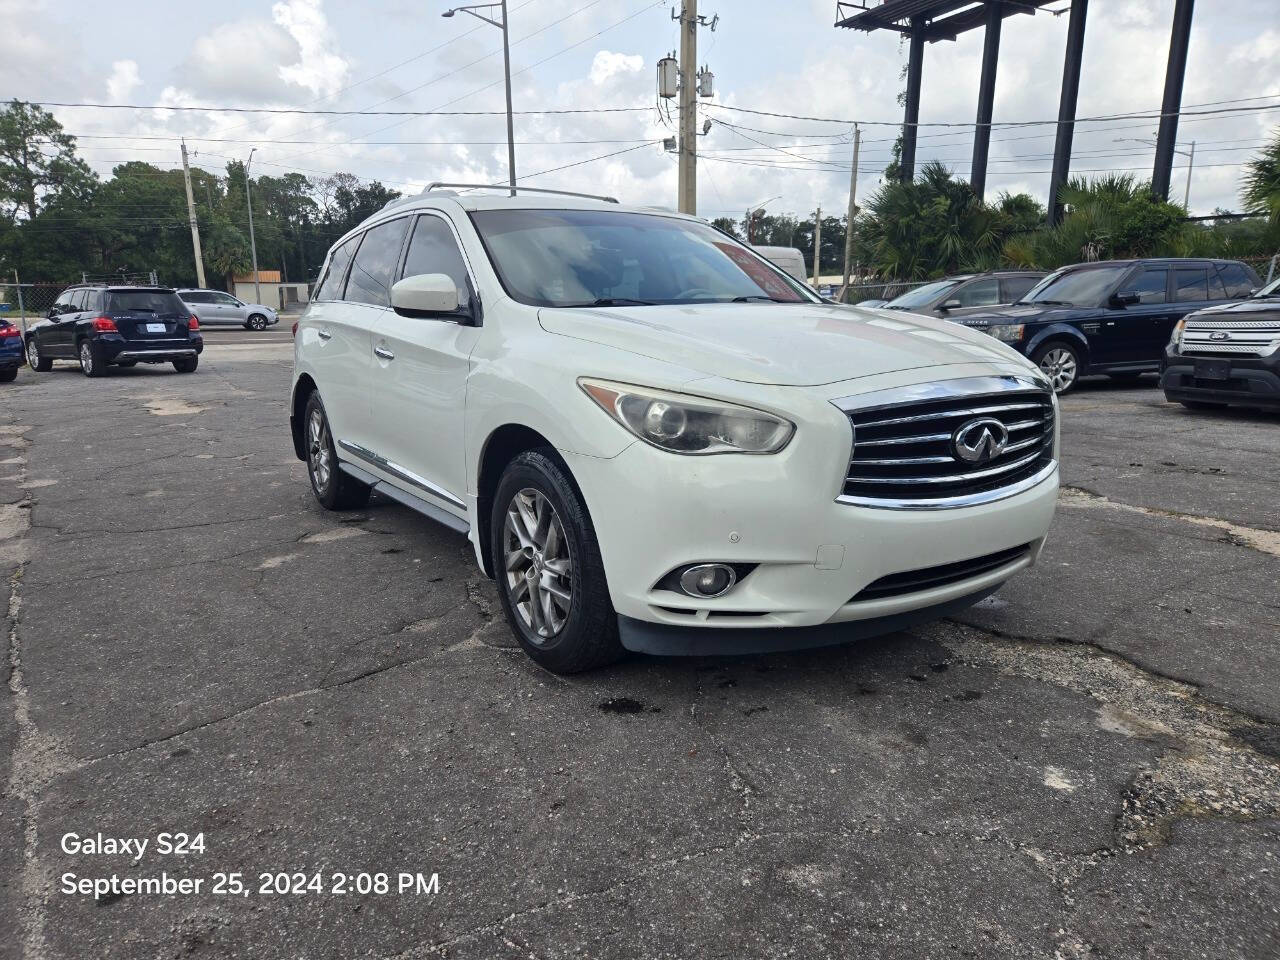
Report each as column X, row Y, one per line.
column 1057, row 331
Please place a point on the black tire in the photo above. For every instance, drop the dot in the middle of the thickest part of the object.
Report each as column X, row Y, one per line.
column 92, row 363
column 37, row 362
column 334, row 489
column 1202, row 405
column 257, row 323
column 588, row 635
column 8, row 376
column 1061, row 362
column 186, row 366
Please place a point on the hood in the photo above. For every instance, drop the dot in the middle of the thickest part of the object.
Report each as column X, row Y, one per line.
column 1248, row 309
column 1017, row 313
column 779, row 344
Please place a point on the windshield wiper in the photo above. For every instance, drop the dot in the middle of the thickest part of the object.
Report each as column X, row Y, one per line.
column 612, row 302
column 756, row 296
column 1050, row 303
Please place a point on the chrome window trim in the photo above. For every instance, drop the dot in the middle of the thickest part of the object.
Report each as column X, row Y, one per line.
column 944, row 390
column 408, row 476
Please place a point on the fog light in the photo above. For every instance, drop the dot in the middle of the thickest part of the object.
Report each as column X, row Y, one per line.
column 708, row 580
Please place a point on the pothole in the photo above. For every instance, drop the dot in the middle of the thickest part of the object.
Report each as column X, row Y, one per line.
column 172, row 407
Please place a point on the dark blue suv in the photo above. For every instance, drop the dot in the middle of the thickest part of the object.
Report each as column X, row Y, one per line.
column 1114, row 317
column 10, row 350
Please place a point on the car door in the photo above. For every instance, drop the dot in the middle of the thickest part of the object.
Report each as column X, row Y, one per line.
column 420, row 374
column 45, row 332
column 230, row 309
column 1125, row 333
column 199, row 303
column 62, row 332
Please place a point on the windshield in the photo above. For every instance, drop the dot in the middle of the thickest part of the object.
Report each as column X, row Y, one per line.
column 160, row 303
column 921, row 296
column 1076, row 288
column 583, row 258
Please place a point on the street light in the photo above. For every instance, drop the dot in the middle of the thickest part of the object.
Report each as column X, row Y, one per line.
column 751, row 211
column 506, row 63
column 1191, row 162
column 253, row 246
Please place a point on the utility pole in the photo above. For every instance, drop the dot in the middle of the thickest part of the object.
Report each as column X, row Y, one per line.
column 853, row 212
column 253, row 246
column 817, row 247
column 688, row 179
column 191, row 215
column 506, row 64
column 1191, row 162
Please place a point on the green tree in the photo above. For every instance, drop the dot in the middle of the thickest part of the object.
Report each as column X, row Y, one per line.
column 1261, row 190
column 37, row 161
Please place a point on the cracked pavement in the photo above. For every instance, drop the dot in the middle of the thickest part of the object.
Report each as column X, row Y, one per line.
column 1086, row 764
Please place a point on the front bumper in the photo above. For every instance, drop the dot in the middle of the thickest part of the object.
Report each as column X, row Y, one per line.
column 654, row 511
column 1249, row 381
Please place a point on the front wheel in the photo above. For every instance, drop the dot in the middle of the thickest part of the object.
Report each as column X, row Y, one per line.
column 34, row 360
column 551, row 578
column 1061, row 363
column 91, row 362
column 186, row 366
column 257, row 322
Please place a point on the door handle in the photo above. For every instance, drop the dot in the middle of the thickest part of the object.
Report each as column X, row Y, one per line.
column 383, row 353
column 324, row 335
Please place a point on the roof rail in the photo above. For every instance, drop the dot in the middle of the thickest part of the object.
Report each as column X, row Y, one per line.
column 507, row 186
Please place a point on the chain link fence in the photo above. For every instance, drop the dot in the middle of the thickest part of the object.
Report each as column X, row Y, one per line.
column 860, row 292
column 22, row 303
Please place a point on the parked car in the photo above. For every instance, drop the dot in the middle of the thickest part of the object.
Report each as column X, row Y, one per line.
column 1113, row 317
column 10, row 350
column 1227, row 355
column 871, row 303
column 103, row 326
column 958, row 296
column 788, row 259
column 215, row 308
column 647, row 431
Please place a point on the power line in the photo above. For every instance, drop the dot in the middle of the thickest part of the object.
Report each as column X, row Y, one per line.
column 339, row 113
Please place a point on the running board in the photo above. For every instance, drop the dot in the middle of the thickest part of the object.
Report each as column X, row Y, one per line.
column 423, row 507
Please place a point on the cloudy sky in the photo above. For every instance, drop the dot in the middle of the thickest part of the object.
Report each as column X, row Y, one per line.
column 600, row 54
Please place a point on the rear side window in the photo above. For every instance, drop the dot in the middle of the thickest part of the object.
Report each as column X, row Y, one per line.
column 978, row 293
column 331, row 286
column 1191, row 284
column 77, row 299
column 155, row 302
column 195, row 296
column 1015, row 288
column 375, row 263
column 432, row 249
column 1150, row 285
column 1237, row 280
column 93, row 301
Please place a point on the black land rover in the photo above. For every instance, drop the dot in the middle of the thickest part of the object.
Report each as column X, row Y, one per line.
column 1227, row 355
column 1113, row 317
column 100, row 326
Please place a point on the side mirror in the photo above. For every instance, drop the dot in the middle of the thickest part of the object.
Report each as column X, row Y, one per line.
column 1127, row 299
column 951, row 305
column 425, row 295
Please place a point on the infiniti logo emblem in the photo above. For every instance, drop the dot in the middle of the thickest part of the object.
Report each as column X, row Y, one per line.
column 980, row 440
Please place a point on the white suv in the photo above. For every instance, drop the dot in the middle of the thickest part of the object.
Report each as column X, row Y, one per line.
column 654, row 439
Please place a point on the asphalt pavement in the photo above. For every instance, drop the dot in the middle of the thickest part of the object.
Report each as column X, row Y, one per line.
column 1085, row 765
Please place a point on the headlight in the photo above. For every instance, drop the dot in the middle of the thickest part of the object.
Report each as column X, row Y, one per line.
column 689, row 425
column 1176, row 339
column 1007, row 332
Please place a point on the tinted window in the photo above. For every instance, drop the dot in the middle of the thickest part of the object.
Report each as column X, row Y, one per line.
column 578, row 258
column 979, row 293
column 1190, row 284
column 921, row 296
column 1015, row 288
column 197, row 296
column 1216, row 290
column 330, row 287
column 63, row 303
column 93, row 300
column 77, row 299
column 1150, row 285
column 375, row 262
column 158, row 302
column 432, row 249
column 1077, row 288
column 1236, row 278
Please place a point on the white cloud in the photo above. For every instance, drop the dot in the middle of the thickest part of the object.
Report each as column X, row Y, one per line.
column 607, row 65
column 319, row 68
column 123, row 81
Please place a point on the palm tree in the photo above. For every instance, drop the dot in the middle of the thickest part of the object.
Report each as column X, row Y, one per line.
column 1261, row 192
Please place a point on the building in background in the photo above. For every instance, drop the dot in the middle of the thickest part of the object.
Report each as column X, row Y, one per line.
column 285, row 297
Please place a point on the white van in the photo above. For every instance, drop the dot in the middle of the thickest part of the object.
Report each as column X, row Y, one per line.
column 788, row 258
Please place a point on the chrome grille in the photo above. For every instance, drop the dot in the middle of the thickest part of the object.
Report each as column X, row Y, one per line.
column 1256, row 338
column 904, row 449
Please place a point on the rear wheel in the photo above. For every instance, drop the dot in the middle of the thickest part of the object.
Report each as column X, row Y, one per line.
column 91, row 362
column 550, row 575
column 8, row 376
column 257, row 322
column 334, row 489
column 186, row 366
column 37, row 362
column 1061, row 363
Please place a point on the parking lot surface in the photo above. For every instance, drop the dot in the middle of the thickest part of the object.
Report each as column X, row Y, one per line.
column 1087, row 764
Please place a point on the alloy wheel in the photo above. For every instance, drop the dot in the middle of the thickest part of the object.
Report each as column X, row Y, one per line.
column 33, row 354
column 538, row 565
column 86, row 357
column 1059, row 365
column 318, row 450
